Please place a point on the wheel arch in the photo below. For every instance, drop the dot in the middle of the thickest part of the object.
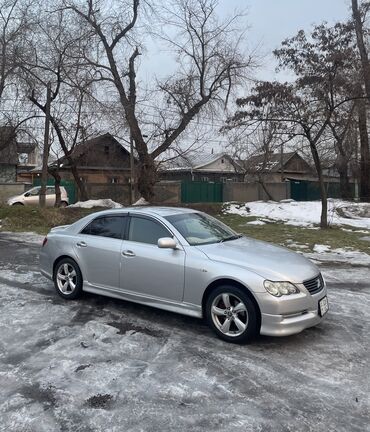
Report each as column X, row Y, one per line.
column 226, row 281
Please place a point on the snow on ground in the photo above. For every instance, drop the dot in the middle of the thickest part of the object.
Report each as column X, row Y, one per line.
column 141, row 202
column 24, row 237
column 96, row 203
column 305, row 213
column 324, row 254
column 98, row 364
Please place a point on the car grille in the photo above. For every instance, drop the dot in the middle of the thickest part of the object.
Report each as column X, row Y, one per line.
column 314, row 285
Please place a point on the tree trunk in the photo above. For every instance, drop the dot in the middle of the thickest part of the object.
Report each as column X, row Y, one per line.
column 57, row 180
column 83, row 196
column 361, row 46
column 345, row 187
column 323, row 193
column 262, row 183
column 147, row 178
column 364, row 152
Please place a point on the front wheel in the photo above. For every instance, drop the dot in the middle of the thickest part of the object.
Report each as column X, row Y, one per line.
column 68, row 279
column 232, row 314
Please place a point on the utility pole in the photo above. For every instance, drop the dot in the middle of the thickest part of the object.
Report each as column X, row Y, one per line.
column 132, row 171
column 282, row 162
column 45, row 156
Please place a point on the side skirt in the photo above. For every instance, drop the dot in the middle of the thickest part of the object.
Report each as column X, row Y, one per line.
column 181, row 308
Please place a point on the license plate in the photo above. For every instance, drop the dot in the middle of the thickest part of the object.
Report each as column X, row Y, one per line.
column 323, row 306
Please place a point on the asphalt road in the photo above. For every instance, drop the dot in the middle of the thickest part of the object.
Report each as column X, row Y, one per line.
column 105, row 365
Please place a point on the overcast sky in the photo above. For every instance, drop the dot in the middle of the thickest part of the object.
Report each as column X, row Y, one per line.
column 271, row 21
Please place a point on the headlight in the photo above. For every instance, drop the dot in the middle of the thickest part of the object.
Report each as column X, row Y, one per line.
column 279, row 289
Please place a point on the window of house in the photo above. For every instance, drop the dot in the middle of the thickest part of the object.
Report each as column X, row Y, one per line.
column 106, row 150
column 107, row 226
column 145, row 230
column 204, row 179
column 114, row 180
column 222, row 160
column 223, row 179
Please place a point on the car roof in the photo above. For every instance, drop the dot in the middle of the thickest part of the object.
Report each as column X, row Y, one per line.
column 151, row 210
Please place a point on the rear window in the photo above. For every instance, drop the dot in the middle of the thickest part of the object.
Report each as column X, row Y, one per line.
column 107, row 226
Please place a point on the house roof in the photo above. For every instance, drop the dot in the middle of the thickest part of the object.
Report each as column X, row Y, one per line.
column 272, row 164
column 195, row 161
column 84, row 146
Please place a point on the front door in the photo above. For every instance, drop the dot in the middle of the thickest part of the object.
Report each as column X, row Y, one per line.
column 146, row 269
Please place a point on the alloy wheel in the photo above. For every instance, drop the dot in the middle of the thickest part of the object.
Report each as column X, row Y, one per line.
column 66, row 278
column 229, row 314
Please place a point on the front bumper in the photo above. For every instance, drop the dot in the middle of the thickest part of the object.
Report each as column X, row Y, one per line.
column 289, row 315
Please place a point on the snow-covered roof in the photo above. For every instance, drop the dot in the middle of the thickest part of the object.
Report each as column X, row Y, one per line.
column 194, row 161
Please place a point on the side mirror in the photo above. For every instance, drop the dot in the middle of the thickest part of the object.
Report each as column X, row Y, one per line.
column 167, row 243
column 27, row 194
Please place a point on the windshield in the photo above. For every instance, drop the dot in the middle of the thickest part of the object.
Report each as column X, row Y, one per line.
column 201, row 229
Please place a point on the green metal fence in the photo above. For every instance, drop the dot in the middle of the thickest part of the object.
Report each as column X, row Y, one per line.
column 303, row 190
column 193, row 192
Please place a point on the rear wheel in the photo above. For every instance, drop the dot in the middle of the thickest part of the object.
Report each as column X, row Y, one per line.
column 232, row 314
column 63, row 204
column 68, row 279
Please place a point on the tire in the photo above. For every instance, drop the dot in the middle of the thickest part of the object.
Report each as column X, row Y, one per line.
column 67, row 272
column 230, row 324
column 17, row 204
column 63, row 204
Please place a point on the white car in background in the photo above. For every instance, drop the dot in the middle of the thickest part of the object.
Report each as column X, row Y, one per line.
column 31, row 197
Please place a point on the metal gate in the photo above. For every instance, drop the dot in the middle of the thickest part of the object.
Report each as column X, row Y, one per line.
column 194, row 192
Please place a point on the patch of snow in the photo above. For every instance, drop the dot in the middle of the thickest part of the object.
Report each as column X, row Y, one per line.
column 306, row 213
column 256, row 222
column 341, row 255
column 96, row 203
column 319, row 248
column 141, row 202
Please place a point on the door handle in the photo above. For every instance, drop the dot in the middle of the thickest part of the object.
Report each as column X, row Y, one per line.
column 128, row 253
column 81, row 244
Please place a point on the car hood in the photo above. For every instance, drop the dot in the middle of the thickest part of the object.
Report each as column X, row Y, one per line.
column 269, row 261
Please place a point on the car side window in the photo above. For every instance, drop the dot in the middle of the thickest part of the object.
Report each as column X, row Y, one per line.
column 50, row 191
column 145, row 230
column 106, row 226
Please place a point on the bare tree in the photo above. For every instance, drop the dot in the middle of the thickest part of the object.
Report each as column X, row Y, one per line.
column 16, row 21
column 359, row 18
column 210, row 66
column 53, row 63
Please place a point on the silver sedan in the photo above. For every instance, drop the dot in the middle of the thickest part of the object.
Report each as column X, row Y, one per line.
column 188, row 262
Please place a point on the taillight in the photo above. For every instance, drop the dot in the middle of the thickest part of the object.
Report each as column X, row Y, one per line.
column 44, row 242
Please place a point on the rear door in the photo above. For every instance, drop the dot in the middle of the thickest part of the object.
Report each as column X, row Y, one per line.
column 146, row 269
column 98, row 248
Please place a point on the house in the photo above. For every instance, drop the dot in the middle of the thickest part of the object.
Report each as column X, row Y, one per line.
column 277, row 167
column 205, row 167
column 28, row 159
column 8, row 155
column 101, row 159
